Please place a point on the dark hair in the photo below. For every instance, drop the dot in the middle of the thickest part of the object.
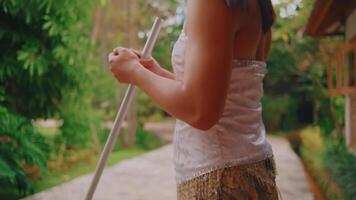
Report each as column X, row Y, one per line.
column 266, row 8
column 267, row 13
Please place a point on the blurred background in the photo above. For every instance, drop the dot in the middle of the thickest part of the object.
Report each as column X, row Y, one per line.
column 58, row 100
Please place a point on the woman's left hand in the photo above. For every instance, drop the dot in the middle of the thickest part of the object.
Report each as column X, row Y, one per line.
column 124, row 63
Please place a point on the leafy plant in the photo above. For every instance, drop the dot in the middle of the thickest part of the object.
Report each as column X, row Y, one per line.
column 47, row 66
column 20, row 145
column 296, row 82
column 342, row 166
column 43, row 56
column 314, row 153
column 147, row 140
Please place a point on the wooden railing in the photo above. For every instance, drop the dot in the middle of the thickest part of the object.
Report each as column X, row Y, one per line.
column 342, row 70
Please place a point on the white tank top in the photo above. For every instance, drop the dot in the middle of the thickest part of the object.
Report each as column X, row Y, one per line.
column 239, row 136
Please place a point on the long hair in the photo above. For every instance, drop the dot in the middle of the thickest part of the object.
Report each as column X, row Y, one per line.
column 266, row 8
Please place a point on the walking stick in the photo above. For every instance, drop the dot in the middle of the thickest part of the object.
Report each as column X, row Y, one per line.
column 146, row 53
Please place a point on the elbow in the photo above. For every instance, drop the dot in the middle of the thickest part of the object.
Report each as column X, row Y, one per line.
column 204, row 121
column 205, row 113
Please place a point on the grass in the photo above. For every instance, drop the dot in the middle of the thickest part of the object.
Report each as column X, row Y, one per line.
column 57, row 177
column 83, row 162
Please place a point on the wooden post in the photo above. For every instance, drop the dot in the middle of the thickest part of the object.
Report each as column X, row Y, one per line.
column 344, row 87
column 131, row 118
column 350, row 107
column 350, row 125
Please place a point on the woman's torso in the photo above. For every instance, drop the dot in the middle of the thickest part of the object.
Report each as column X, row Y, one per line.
column 239, row 136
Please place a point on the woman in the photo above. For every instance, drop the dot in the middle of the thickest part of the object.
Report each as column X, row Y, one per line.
column 219, row 61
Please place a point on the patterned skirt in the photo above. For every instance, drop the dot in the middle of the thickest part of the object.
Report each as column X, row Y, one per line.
column 244, row 182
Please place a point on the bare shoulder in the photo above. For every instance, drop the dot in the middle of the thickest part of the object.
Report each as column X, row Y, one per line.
column 212, row 15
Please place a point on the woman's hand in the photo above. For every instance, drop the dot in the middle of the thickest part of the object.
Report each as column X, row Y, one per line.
column 149, row 63
column 152, row 65
column 124, row 64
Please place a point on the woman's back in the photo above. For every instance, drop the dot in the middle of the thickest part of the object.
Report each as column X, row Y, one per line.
column 239, row 136
column 253, row 34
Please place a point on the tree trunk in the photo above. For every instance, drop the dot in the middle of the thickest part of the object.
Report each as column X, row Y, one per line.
column 129, row 135
column 96, row 26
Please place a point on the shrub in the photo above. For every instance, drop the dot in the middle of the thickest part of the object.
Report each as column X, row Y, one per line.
column 147, row 140
column 313, row 153
column 279, row 112
column 147, row 110
column 75, row 131
column 46, row 70
column 47, row 61
column 20, row 146
column 44, row 54
column 342, row 166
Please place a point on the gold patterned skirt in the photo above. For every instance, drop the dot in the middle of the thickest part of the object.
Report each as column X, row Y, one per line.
column 244, row 182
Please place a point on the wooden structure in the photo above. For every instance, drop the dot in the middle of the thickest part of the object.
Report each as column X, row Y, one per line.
column 328, row 17
column 342, row 70
column 338, row 17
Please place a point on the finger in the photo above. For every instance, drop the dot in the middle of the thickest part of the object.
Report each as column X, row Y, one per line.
column 112, row 57
column 138, row 53
column 127, row 53
column 109, row 57
column 146, row 61
column 117, row 49
column 123, row 51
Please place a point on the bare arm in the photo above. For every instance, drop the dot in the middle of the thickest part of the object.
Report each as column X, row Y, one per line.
column 163, row 72
column 199, row 99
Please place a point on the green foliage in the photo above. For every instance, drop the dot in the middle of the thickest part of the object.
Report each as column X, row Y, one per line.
column 147, row 110
column 75, row 131
column 144, row 139
column 332, row 114
column 280, row 112
column 295, row 86
column 342, row 166
column 331, row 164
column 47, row 70
column 312, row 152
column 20, row 145
column 44, row 50
column 58, row 176
column 312, row 144
column 147, row 140
column 47, row 63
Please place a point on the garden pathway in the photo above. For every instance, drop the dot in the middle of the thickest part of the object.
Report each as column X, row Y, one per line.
column 151, row 177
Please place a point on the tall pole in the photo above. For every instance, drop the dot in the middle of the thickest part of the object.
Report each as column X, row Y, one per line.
column 146, row 53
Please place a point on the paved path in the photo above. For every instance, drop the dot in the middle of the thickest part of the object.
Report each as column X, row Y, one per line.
column 148, row 177
column 151, row 177
column 291, row 180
